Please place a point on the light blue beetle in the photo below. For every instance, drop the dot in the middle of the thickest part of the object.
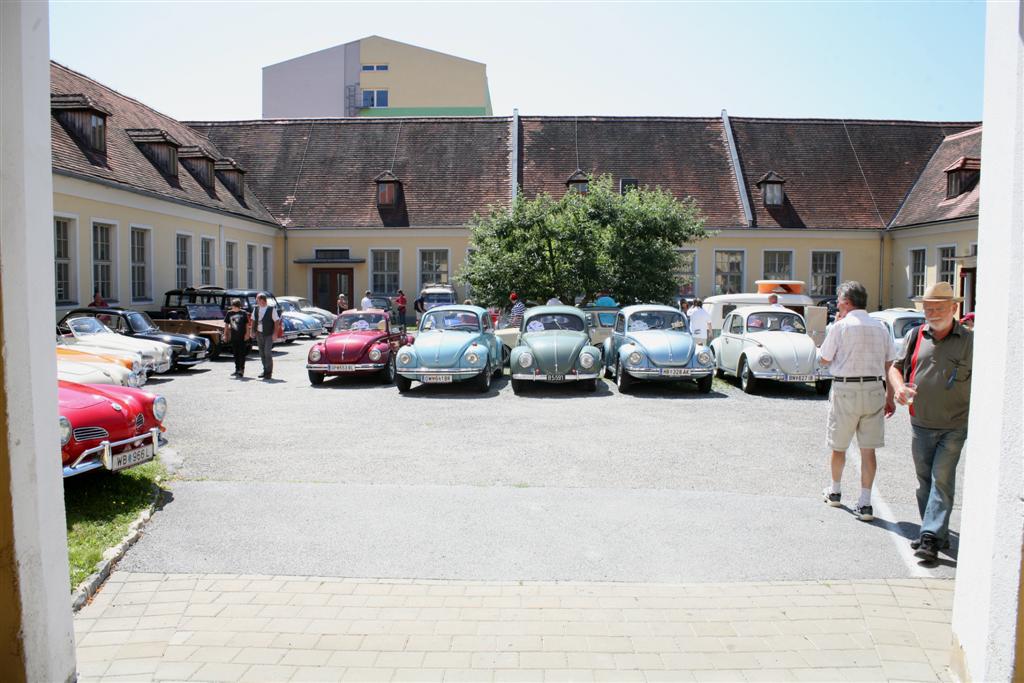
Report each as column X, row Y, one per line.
column 453, row 344
column 654, row 343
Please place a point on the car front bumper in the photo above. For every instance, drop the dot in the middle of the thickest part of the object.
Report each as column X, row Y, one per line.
column 98, row 457
column 160, row 367
column 345, row 368
column 540, row 377
column 191, row 359
column 456, row 373
column 669, row 373
column 780, row 376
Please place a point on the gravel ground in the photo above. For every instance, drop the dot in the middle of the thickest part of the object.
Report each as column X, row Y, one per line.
column 573, row 485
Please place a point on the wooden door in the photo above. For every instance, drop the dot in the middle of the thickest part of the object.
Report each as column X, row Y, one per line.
column 328, row 283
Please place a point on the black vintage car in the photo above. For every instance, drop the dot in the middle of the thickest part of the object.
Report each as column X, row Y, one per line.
column 186, row 349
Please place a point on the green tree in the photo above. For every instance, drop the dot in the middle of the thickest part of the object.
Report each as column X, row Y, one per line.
column 582, row 244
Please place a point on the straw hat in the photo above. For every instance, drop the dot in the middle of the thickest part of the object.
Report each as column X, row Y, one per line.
column 940, row 291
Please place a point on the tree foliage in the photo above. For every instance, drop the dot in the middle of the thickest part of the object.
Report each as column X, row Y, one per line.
column 582, row 245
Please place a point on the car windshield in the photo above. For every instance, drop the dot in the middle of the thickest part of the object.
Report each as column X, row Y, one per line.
column 606, row 319
column 776, row 322
column 904, row 325
column 140, row 322
column 82, row 327
column 305, row 303
column 204, row 312
column 657, row 320
column 554, row 321
column 359, row 321
column 460, row 321
column 438, row 298
column 381, row 302
column 288, row 306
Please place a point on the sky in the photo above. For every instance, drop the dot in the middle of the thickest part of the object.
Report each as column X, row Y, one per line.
column 877, row 60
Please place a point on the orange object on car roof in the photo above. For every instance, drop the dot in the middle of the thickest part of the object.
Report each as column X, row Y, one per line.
column 90, row 357
column 779, row 286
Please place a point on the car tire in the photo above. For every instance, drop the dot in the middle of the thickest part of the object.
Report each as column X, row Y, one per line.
column 214, row 351
column 388, row 373
column 719, row 372
column 404, row 384
column 483, row 381
column 623, row 380
column 704, row 384
column 822, row 387
column 607, row 370
column 589, row 385
column 518, row 386
column 316, row 378
column 290, row 341
column 748, row 383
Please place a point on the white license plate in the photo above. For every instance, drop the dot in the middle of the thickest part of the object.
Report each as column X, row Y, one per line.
column 555, row 378
column 126, row 459
column 201, row 354
column 437, row 379
column 342, row 368
column 674, row 372
column 800, row 378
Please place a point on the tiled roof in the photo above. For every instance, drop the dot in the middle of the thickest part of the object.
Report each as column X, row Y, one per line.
column 852, row 174
column 124, row 164
column 320, row 173
column 686, row 156
column 927, row 201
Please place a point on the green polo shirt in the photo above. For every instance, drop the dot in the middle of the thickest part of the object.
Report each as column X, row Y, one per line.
column 943, row 377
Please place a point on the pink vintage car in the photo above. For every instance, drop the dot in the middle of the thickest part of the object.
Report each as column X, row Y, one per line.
column 362, row 342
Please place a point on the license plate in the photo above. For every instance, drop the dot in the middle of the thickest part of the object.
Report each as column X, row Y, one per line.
column 342, row 368
column 555, row 378
column 800, row 378
column 437, row 379
column 201, row 354
column 136, row 456
column 674, row 372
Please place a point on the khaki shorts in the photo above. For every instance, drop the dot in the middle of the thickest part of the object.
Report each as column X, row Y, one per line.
column 856, row 408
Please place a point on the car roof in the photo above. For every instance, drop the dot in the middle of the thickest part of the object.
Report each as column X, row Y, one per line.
column 747, row 310
column 569, row 310
column 379, row 311
column 635, row 308
column 110, row 310
column 891, row 314
column 459, row 307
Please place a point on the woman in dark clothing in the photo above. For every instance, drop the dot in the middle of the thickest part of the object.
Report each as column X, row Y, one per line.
column 236, row 333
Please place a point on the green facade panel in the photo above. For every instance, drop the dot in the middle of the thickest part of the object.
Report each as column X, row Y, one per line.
column 424, row 111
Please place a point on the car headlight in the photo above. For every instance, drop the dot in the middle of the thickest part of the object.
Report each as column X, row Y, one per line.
column 586, row 360
column 526, row 359
column 704, row 357
column 167, row 353
column 136, row 365
column 635, row 358
column 314, row 354
column 159, row 408
column 405, row 358
column 765, row 361
column 374, row 354
column 472, row 358
column 65, row 431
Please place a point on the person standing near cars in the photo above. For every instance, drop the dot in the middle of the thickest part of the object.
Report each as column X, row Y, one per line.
column 933, row 377
column 366, row 303
column 518, row 309
column 700, row 322
column 236, row 333
column 400, row 302
column 266, row 324
column 342, row 303
column 858, row 352
column 420, row 305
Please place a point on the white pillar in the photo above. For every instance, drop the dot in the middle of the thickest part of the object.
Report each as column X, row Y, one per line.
column 989, row 574
column 30, row 380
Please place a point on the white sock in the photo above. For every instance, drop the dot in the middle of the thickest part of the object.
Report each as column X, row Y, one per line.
column 835, row 487
column 865, row 498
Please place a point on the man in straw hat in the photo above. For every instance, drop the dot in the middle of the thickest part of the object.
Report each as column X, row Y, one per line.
column 933, row 377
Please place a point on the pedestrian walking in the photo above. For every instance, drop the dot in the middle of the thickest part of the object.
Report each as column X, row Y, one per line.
column 515, row 318
column 342, row 303
column 266, row 324
column 700, row 322
column 400, row 302
column 933, row 377
column 858, row 352
column 236, row 334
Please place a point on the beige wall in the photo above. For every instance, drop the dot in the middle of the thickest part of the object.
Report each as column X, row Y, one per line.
column 958, row 234
column 84, row 204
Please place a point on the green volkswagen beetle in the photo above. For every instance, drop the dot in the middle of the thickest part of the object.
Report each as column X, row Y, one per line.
column 554, row 346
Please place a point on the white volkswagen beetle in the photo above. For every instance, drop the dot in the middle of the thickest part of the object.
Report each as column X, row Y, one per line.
column 88, row 334
column 96, row 373
column 761, row 343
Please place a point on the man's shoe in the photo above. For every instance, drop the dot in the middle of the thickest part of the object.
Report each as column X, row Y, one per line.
column 831, row 498
column 262, row 375
column 928, row 549
column 915, row 544
column 864, row 513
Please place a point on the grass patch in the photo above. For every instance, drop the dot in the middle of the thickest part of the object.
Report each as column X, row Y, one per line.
column 100, row 506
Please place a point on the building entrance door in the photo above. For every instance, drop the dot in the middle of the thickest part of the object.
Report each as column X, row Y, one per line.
column 328, row 283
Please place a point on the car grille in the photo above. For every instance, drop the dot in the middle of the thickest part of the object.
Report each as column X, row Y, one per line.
column 139, row 421
column 89, row 433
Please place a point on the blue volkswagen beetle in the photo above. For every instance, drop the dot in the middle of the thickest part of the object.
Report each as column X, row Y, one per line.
column 654, row 342
column 453, row 344
column 554, row 346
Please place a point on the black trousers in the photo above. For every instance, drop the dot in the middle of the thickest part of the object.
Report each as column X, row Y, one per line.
column 239, row 347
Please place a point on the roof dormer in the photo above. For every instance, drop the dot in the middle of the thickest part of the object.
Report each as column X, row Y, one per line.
column 961, row 176
column 159, row 146
column 84, row 117
column 387, row 189
column 199, row 163
column 232, row 175
column 772, row 192
column 578, row 182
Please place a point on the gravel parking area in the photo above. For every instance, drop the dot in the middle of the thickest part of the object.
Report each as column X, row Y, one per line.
column 667, row 484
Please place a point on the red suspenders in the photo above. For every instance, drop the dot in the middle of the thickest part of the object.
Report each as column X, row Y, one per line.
column 913, row 360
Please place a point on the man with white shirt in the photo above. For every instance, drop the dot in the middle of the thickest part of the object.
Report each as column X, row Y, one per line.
column 700, row 322
column 858, row 352
column 266, row 324
column 367, row 302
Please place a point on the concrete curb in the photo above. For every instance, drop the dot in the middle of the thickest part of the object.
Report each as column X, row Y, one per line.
column 92, row 583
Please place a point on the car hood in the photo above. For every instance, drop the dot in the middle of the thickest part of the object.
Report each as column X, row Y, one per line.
column 555, row 351
column 304, row 318
column 349, row 347
column 443, row 349
column 74, row 396
column 150, row 349
column 182, row 340
column 664, row 347
column 794, row 353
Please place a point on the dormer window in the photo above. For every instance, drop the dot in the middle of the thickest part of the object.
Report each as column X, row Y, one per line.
column 578, row 182
column 232, row 175
column 199, row 163
column 159, row 146
column 961, row 176
column 771, row 188
column 627, row 184
column 387, row 189
column 84, row 117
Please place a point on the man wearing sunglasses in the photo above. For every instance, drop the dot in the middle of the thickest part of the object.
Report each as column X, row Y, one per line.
column 933, row 377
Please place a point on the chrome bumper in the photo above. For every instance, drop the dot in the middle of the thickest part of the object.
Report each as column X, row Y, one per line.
column 779, row 376
column 344, row 367
column 659, row 373
column 86, row 462
column 416, row 373
column 161, row 367
column 189, row 362
column 544, row 377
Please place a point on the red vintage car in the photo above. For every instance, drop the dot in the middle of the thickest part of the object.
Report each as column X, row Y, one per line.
column 362, row 342
column 107, row 426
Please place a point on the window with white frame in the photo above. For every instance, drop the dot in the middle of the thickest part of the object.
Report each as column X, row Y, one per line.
column 63, row 273
column 206, row 246
column 182, row 261
column 917, row 265
column 729, row 271
column 433, row 266
column 824, row 273
column 140, row 269
column 103, row 259
column 375, row 99
column 250, row 266
column 230, row 264
column 686, row 272
column 384, row 277
column 947, row 264
column 778, row 265
column 267, row 281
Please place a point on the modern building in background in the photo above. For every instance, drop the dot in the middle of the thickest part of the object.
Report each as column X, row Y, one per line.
column 375, row 76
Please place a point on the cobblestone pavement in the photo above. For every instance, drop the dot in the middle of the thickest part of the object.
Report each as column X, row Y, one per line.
column 144, row 627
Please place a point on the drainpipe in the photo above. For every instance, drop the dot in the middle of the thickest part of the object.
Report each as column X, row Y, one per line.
column 881, row 264
column 286, row 261
column 514, row 156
